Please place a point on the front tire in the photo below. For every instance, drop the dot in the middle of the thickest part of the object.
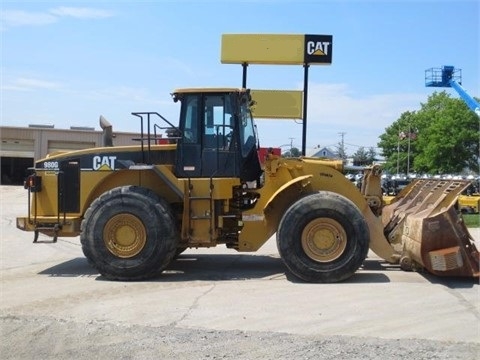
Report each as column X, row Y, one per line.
column 129, row 233
column 323, row 237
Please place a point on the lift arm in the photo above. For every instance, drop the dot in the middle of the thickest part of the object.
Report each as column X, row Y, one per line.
column 448, row 76
column 470, row 101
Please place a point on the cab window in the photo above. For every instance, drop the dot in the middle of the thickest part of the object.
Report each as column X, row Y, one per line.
column 247, row 131
column 218, row 118
column 190, row 131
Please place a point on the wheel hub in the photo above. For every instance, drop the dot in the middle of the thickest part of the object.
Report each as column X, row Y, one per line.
column 324, row 239
column 124, row 235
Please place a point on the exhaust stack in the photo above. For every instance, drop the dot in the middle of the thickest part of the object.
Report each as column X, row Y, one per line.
column 107, row 136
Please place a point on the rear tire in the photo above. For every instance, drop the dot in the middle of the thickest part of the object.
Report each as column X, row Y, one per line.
column 129, row 233
column 179, row 251
column 323, row 237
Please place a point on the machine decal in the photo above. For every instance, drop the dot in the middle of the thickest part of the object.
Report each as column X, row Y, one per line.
column 104, row 162
column 50, row 165
column 317, row 48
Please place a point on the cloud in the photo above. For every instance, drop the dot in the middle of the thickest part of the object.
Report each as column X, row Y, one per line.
column 338, row 104
column 30, row 84
column 337, row 108
column 23, row 18
column 81, row 13
column 12, row 18
column 128, row 94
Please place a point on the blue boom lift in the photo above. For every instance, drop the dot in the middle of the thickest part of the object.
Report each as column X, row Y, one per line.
column 448, row 76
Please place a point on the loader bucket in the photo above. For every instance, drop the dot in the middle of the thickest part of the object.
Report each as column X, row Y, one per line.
column 424, row 226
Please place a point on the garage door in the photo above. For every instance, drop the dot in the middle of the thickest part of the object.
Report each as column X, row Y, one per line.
column 17, row 148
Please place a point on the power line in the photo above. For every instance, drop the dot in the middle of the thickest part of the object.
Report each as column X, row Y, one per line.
column 359, row 146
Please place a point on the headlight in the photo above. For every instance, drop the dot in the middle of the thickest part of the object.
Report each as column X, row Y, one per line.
column 33, row 182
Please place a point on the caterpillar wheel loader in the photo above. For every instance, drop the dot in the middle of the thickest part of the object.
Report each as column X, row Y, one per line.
column 201, row 183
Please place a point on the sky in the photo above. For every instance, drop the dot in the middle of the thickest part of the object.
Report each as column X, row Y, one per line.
column 66, row 63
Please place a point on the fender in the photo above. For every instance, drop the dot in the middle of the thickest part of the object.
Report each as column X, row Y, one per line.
column 283, row 197
column 286, row 186
column 261, row 223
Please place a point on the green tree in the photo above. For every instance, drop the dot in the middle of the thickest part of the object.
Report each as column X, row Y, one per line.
column 442, row 137
column 372, row 155
column 364, row 157
column 450, row 136
column 360, row 157
column 293, row 152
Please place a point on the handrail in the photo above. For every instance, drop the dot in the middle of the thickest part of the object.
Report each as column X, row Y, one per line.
column 148, row 114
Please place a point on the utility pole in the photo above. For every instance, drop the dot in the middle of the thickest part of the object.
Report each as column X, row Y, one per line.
column 342, row 145
column 291, row 145
column 408, row 151
column 342, row 134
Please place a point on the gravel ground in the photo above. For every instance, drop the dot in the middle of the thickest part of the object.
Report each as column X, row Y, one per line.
column 50, row 338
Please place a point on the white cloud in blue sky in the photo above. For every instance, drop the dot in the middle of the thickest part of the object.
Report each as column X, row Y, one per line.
column 68, row 62
column 11, row 18
column 81, row 12
column 30, row 84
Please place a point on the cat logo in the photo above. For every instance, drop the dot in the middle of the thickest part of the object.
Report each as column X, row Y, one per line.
column 318, row 49
column 104, row 162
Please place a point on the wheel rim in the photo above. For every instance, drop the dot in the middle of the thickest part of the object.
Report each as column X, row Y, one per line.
column 124, row 235
column 324, row 240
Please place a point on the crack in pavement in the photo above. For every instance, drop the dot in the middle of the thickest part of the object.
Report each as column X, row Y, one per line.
column 193, row 306
column 465, row 303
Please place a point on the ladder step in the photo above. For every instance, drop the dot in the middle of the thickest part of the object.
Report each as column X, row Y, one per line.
column 200, row 204
column 37, row 232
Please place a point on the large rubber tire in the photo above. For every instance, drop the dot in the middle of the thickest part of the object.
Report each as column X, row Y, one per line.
column 129, row 233
column 179, row 251
column 323, row 237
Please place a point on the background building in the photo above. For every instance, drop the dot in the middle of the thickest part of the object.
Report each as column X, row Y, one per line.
column 325, row 152
column 20, row 147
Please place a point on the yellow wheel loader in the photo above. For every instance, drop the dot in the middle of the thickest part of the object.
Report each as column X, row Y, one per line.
column 201, row 183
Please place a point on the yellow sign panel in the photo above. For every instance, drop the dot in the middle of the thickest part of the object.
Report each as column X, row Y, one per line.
column 277, row 104
column 276, row 49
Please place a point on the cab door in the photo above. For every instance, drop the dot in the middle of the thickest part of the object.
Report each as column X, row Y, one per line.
column 219, row 150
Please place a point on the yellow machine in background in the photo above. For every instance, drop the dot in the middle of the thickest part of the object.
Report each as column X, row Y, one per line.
column 469, row 204
column 201, row 183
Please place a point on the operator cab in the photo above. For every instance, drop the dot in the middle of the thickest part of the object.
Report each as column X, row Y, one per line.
column 218, row 137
